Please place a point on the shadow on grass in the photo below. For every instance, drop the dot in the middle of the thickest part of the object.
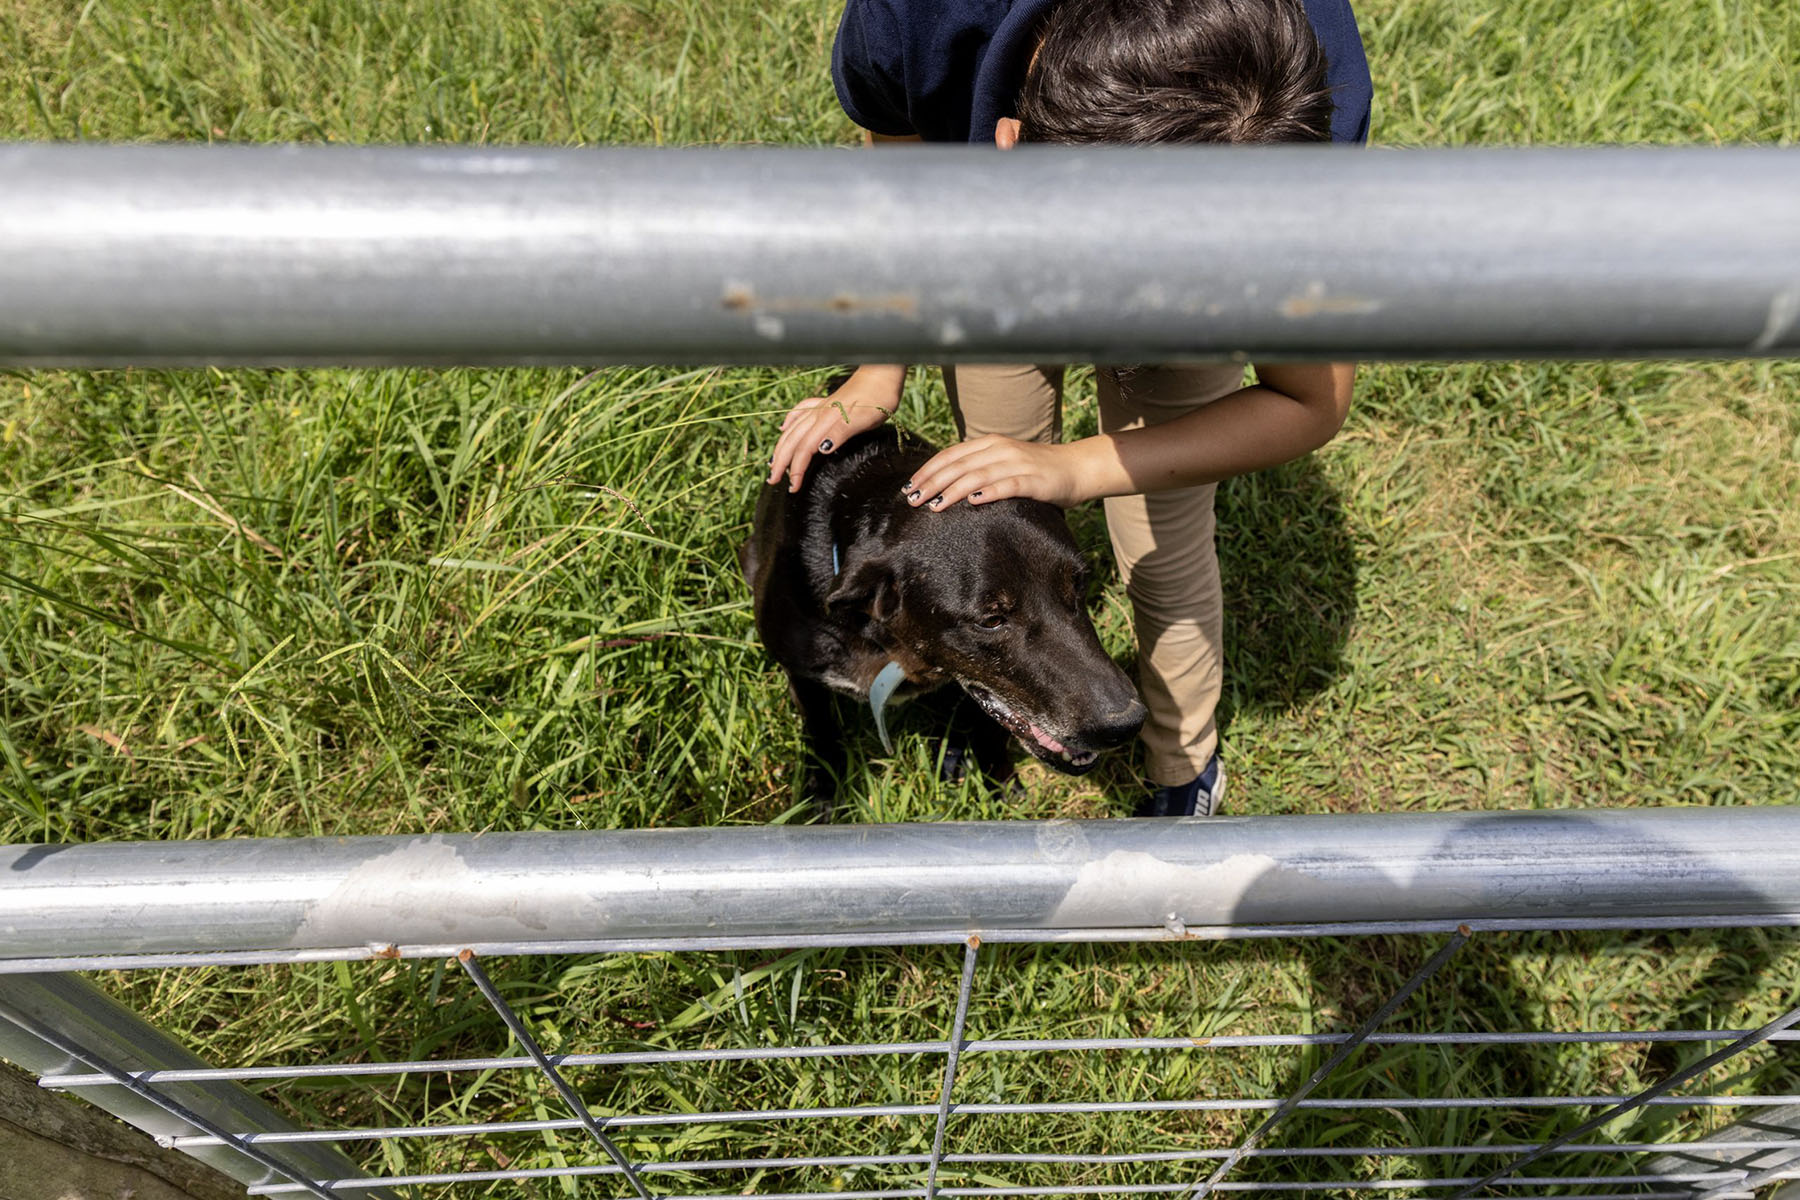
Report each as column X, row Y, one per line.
column 1287, row 569
column 1634, row 981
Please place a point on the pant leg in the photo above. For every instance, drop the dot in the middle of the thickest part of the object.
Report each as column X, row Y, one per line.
column 1015, row 399
column 1163, row 543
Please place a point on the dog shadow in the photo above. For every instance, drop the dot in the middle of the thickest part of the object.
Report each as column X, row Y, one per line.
column 1287, row 567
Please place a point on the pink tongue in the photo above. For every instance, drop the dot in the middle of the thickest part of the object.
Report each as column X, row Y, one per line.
column 1046, row 741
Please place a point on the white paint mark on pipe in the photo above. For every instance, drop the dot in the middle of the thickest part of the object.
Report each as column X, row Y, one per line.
column 1784, row 306
column 1206, row 895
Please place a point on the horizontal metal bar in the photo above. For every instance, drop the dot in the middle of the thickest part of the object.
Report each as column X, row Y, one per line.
column 389, row 951
column 1141, row 1158
column 974, row 1046
column 875, row 1194
column 1236, row 1186
column 479, row 1128
column 1147, row 1189
column 1071, row 1107
column 1397, row 1103
column 1252, row 1040
column 590, row 1169
column 1157, row 1188
column 617, row 1058
column 139, row 255
column 476, row 1128
column 1349, row 1185
column 785, row 883
column 1599, row 1149
column 1313, row 1185
column 1684, row 1194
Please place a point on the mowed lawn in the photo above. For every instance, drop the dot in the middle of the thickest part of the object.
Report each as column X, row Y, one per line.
column 347, row 602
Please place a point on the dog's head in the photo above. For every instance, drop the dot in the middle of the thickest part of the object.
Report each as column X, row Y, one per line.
column 993, row 597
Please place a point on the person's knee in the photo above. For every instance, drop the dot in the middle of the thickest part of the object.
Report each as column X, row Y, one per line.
column 1016, row 400
column 1176, row 578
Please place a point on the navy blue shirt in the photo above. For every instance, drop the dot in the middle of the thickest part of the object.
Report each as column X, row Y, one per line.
column 947, row 70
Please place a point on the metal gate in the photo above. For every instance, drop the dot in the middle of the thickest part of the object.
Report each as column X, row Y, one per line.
column 1430, row 885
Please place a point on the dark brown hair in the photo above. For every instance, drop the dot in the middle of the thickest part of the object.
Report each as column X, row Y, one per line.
column 1150, row 71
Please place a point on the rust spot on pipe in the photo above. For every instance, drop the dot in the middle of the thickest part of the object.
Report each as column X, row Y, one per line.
column 1313, row 302
column 1465, row 930
column 388, row 951
column 1201, row 1041
column 742, row 298
column 973, row 941
column 464, row 956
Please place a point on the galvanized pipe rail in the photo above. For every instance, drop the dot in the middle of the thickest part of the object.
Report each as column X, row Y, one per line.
column 165, row 255
column 284, row 899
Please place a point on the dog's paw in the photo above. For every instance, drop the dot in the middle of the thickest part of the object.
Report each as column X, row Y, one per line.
column 820, row 793
column 953, row 762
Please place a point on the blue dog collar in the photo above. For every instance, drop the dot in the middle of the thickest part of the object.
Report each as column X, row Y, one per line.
column 891, row 677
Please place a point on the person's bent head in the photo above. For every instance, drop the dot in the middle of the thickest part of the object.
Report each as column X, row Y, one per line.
column 1136, row 72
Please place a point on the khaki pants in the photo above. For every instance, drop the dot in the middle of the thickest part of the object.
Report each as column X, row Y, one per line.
column 1163, row 542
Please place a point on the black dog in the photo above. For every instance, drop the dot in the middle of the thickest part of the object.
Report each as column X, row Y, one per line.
column 848, row 578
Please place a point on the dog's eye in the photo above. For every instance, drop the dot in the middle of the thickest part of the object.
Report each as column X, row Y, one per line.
column 992, row 621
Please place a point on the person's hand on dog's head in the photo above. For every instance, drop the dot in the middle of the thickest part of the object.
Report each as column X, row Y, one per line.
column 992, row 468
column 820, row 424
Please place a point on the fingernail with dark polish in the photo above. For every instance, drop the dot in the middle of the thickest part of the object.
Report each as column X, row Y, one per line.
column 976, row 496
column 913, row 496
column 825, row 446
column 936, row 500
column 907, row 486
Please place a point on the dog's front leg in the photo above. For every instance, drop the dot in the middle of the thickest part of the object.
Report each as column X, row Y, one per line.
column 987, row 741
column 823, row 742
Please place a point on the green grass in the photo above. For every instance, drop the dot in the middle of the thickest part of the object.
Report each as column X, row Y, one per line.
column 333, row 602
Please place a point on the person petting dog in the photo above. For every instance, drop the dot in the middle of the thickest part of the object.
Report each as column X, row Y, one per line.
column 1082, row 72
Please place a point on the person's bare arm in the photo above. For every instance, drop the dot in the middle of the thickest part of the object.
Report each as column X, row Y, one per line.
column 1291, row 410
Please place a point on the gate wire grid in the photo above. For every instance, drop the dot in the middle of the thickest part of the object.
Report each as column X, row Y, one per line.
column 1579, row 1160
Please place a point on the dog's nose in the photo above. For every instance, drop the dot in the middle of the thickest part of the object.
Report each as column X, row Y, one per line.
column 1121, row 725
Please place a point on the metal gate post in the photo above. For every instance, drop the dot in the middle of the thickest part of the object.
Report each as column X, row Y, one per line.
column 51, row 1023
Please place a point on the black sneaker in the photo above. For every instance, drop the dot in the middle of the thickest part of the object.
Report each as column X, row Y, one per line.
column 1199, row 798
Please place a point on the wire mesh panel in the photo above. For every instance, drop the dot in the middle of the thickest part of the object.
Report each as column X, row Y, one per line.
column 1439, row 1064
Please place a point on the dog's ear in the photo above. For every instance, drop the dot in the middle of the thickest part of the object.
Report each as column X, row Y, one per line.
column 870, row 584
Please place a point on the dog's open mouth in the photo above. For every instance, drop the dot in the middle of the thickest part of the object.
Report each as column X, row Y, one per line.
column 1030, row 735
